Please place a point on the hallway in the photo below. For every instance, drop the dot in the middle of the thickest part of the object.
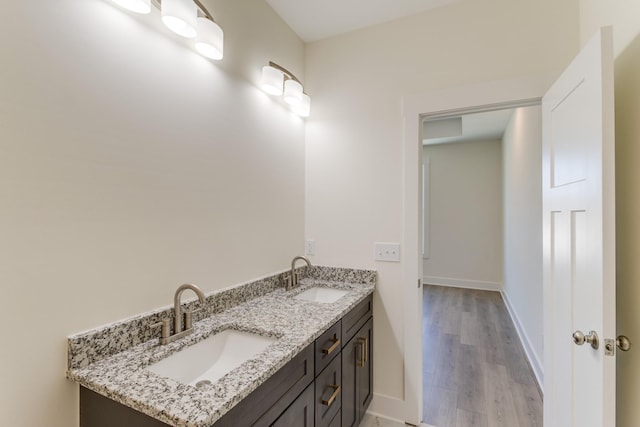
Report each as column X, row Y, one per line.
column 475, row 370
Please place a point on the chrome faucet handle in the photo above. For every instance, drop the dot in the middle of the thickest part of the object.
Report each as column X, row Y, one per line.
column 165, row 324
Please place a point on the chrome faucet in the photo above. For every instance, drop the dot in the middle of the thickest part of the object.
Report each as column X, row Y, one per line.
column 180, row 329
column 293, row 277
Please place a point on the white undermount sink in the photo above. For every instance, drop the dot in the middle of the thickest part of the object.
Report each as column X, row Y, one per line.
column 321, row 294
column 210, row 359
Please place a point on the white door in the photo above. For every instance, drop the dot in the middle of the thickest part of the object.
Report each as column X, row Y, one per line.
column 579, row 240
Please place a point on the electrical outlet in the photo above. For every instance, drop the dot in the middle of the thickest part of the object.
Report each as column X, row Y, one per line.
column 389, row 252
column 310, row 248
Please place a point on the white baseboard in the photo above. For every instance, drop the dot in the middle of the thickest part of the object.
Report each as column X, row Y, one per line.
column 390, row 409
column 387, row 407
column 533, row 357
column 462, row 283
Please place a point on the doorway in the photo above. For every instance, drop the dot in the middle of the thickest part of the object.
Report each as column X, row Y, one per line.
column 437, row 104
column 482, row 192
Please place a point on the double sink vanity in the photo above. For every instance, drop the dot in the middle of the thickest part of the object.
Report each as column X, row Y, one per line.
column 285, row 350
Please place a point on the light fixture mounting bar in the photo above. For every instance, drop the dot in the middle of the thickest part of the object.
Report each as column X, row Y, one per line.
column 287, row 73
column 204, row 10
column 198, row 3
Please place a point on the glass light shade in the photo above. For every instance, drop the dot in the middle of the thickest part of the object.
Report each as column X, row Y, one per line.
column 210, row 39
column 292, row 93
column 304, row 108
column 137, row 6
column 272, row 80
column 180, row 16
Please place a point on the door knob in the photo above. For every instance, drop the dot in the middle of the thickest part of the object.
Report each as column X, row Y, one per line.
column 580, row 338
column 623, row 343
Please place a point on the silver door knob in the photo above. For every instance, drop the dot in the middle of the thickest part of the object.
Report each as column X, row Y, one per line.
column 592, row 338
column 623, row 343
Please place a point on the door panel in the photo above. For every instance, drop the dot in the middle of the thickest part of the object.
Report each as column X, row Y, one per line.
column 579, row 239
column 568, row 155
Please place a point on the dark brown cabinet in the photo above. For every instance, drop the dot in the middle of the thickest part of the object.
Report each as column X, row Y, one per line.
column 328, row 384
column 328, row 393
column 357, row 370
column 300, row 413
column 266, row 403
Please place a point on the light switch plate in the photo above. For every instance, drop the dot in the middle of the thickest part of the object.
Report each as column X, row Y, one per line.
column 389, row 252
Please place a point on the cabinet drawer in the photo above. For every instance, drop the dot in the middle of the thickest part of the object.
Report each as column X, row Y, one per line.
column 356, row 318
column 328, row 345
column 265, row 404
column 328, row 393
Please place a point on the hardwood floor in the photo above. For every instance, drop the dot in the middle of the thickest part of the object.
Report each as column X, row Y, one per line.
column 475, row 370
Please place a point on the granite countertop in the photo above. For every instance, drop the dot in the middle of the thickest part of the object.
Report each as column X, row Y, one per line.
column 295, row 323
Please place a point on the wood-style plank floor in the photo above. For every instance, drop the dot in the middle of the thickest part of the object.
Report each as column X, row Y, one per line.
column 475, row 370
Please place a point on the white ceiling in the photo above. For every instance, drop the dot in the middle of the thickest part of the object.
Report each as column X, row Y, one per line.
column 476, row 127
column 318, row 19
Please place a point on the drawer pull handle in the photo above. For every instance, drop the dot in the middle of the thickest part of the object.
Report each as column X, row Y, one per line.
column 366, row 350
column 336, row 343
column 362, row 359
column 336, row 392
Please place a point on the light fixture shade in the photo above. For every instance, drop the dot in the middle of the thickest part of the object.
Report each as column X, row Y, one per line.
column 304, row 108
column 272, row 80
column 180, row 16
column 137, row 6
column 210, row 39
column 292, row 92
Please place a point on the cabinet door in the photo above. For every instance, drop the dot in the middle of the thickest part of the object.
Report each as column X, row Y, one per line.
column 364, row 373
column 300, row 413
column 357, row 375
column 328, row 393
column 349, row 408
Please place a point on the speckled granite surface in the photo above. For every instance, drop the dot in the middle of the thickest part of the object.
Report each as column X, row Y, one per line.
column 121, row 374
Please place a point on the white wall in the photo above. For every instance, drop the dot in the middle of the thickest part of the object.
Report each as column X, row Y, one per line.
column 354, row 167
column 624, row 16
column 465, row 215
column 129, row 165
column 522, row 168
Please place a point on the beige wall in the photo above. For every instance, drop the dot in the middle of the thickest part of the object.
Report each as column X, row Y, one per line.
column 624, row 16
column 129, row 165
column 465, row 214
column 354, row 138
column 522, row 166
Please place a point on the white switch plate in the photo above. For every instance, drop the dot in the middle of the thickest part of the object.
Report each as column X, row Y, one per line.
column 387, row 252
column 310, row 248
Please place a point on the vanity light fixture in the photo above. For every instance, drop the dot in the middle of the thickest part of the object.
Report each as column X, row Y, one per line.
column 272, row 80
column 187, row 18
column 304, row 108
column 209, row 38
column 278, row 81
column 180, row 16
column 292, row 93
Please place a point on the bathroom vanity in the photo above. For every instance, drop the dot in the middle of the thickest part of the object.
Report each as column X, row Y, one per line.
column 316, row 371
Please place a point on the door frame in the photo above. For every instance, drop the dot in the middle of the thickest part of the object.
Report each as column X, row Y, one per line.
column 416, row 107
